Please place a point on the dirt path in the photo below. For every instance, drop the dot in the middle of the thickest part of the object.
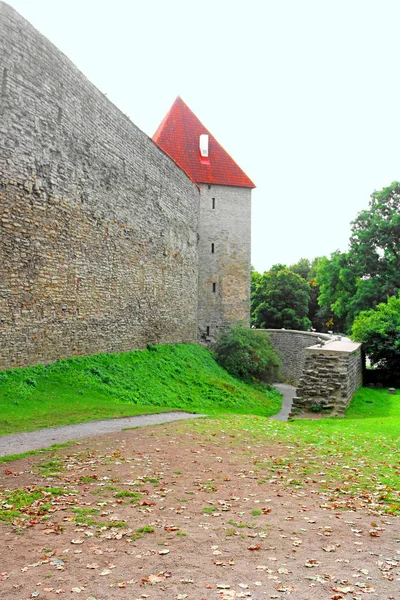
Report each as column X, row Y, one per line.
column 186, row 512
column 34, row 440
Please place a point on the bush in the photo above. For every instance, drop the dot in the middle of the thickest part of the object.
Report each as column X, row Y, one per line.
column 247, row 354
column 379, row 330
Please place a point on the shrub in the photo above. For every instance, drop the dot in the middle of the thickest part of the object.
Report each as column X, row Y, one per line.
column 247, row 354
column 379, row 330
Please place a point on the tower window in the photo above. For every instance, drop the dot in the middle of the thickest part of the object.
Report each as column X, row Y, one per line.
column 214, row 287
column 209, row 186
column 213, row 203
column 203, row 144
column 212, row 248
column 208, row 331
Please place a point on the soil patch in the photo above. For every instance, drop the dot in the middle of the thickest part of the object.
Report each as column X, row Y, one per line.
column 170, row 512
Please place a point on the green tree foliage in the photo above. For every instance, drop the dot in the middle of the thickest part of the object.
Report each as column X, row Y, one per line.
column 379, row 330
column 337, row 287
column 375, row 240
column 370, row 272
column 303, row 267
column 247, row 354
column 319, row 316
column 280, row 299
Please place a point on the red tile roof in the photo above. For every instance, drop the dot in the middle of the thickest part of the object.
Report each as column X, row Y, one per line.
column 178, row 136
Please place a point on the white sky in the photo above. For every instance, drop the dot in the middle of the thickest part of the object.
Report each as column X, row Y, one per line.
column 304, row 94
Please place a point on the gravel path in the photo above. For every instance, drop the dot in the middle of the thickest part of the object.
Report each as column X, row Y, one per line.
column 35, row 440
column 288, row 392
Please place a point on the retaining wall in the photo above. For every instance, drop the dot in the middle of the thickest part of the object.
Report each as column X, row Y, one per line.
column 331, row 375
column 291, row 345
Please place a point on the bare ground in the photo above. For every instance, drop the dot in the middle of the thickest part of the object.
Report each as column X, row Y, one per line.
column 215, row 531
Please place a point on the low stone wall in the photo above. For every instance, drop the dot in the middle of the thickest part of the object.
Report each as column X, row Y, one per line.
column 291, row 346
column 331, row 375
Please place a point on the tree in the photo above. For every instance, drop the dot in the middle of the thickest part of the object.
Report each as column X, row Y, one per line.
column 247, row 354
column 379, row 330
column 319, row 316
column 280, row 299
column 370, row 272
column 337, row 287
column 302, row 268
column 375, row 240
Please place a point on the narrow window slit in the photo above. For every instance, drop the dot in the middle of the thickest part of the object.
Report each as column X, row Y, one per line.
column 213, row 203
column 212, row 248
column 214, row 287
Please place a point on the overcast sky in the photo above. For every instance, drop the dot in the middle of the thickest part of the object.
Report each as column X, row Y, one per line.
column 304, row 94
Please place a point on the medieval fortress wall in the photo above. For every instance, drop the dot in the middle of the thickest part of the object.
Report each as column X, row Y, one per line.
column 98, row 227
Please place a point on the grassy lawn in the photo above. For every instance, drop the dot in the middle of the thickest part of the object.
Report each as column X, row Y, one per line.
column 183, row 377
column 355, row 460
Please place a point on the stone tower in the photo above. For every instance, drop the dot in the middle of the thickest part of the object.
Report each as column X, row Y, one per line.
column 224, row 220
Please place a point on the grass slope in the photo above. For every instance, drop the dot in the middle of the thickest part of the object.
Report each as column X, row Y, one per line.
column 75, row 390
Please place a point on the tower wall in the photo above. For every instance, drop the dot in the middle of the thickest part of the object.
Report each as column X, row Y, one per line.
column 98, row 227
column 228, row 227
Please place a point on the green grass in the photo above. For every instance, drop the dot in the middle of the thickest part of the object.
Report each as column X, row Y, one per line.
column 51, row 468
column 178, row 377
column 18, row 504
column 52, row 448
column 84, row 516
column 145, row 529
column 129, row 496
column 208, row 510
column 353, row 461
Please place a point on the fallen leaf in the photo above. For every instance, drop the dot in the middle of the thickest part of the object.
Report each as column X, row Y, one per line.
column 373, row 533
column 154, row 579
column 329, row 548
column 223, row 586
column 311, row 563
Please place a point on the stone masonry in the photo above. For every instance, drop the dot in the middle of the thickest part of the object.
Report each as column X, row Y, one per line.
column 224, row 258
column 98, row 227
column 291, row 347
column 331, row 375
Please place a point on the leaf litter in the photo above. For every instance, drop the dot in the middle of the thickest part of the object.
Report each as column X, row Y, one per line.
column 141, row 499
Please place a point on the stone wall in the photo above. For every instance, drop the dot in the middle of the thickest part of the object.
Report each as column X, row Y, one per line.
column 331, row 375
column 291, row 346
column 98, row 227
column 224, row 258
